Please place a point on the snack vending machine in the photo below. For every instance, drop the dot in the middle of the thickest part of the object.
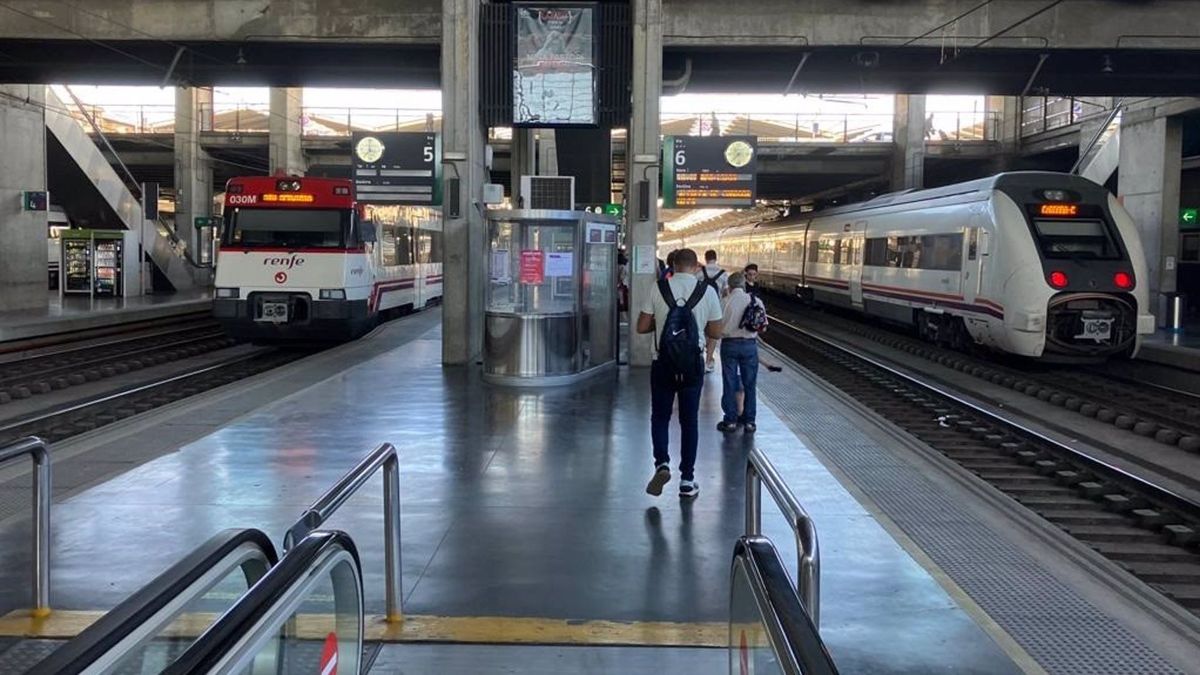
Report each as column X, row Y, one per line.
column 100, row 263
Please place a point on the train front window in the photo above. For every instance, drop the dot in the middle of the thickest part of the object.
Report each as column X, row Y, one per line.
column 1076, row 239
column 300, row 228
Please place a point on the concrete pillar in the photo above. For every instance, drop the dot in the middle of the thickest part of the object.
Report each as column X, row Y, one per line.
column 462, row 136
column 287, row 152
column 643, row 145
column 23, row 254
column 908, row 132
column 521, row 162
column 1149, row 176
column 193, row 170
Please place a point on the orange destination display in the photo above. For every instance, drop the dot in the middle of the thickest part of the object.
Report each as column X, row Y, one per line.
column 1060, row 210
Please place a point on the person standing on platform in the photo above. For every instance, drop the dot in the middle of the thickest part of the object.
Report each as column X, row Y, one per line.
column 712, row 274
column 681, row 315
column 752, row 288
column 744, row 317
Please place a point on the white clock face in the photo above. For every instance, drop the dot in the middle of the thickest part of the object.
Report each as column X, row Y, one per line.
column 739, row 153
column 369, row 149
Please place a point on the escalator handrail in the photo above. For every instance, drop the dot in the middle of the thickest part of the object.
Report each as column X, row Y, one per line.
column 122, row 621
column 228, row 631
column 793, row 635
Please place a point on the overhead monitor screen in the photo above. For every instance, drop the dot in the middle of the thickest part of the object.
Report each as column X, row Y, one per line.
column 554, row 79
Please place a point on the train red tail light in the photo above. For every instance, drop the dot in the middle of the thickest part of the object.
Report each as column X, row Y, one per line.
column 1123, row 280
column 1058, row 279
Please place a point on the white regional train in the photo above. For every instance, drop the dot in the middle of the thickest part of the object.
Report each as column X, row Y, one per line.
column 300, row 259
column 1038, row 264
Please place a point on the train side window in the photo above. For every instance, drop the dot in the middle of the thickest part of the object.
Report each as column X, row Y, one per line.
column 877, row 252
column 814, row 251
column 938, row 252
column 972, row 243
column 435, row 248
column 404, row 246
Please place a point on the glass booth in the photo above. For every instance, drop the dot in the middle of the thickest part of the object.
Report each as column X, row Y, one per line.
column 550, row 312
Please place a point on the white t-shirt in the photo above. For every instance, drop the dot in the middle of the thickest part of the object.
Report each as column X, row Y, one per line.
column 734, row 306
column 722, row 282
column 682, row 285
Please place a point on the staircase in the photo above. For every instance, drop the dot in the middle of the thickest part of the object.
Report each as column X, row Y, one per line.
column 163, row 247
column 1100, row 157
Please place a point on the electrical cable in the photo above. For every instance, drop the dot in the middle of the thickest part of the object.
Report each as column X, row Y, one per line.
column 931, row 31
column 1036, row 14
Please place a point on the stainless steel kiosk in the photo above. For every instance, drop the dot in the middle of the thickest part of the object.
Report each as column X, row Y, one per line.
column 550, row 312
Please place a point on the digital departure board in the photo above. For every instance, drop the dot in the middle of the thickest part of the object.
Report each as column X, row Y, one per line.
column 709, row 171
column 397, row 167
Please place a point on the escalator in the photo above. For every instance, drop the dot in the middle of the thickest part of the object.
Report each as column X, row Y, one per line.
column 770, row 630
column 148, row 631
column 92, row 171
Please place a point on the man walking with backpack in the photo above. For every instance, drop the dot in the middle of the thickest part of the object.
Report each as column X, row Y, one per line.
column 681, row 314
column 745, row 317
column 714, row 276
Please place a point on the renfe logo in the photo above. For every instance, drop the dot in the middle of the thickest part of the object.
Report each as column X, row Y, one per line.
column 286, row 263
column 243, row 199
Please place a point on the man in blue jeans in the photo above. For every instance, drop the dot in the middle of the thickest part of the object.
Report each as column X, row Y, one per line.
column 663, row 388
column 739, row 358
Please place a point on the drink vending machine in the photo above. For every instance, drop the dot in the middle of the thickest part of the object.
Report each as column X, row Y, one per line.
column 99, row 263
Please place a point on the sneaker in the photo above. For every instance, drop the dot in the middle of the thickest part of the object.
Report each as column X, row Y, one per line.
column 727, row 427
column 750, row 427
column 688, row 488
column 661, row 477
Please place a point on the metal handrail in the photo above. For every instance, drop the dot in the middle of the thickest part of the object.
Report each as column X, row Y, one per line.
column 384, row 456
column 1087, row 148
column 759, row 472
column 39, row 452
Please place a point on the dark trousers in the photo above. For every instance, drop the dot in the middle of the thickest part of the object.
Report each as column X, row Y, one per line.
column 663, row 390
column 739, row 371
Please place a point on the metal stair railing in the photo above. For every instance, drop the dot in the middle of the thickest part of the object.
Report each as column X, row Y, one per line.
column 1104, row 132
column 37, row 450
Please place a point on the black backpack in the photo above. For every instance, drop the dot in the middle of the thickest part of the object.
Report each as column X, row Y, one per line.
column 679, row 343
column 712, row 281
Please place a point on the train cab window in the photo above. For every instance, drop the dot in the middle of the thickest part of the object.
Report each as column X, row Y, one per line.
column 1076, row 239
column 306, row 228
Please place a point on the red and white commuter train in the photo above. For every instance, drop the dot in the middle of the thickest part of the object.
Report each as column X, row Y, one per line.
column 300, row 259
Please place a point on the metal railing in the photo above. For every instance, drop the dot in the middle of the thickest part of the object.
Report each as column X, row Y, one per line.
column 1047, row 113
column 770, row 127
column 384, row 456
column 37, row 450
column 759, row 472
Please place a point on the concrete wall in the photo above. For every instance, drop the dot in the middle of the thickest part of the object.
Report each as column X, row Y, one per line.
column 376, row 20
column 1077, row 24
column 23, row 167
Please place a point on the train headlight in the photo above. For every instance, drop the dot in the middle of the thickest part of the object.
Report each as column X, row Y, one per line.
column 229, row 293
column 1123, row 280
column 332, row 294
column 1058, row 279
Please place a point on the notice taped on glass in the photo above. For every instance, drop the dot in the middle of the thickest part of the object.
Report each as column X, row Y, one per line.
column 710, row 171
column 554, row 81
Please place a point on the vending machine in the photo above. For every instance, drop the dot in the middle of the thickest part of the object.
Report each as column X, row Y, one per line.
column 99, row 263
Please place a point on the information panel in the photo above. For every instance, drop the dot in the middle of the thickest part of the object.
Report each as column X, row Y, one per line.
column 554, row 77
column 397, row 167
column 709, row 171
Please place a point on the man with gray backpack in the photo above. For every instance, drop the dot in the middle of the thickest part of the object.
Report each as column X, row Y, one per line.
column 681, row 313
column 745, row 317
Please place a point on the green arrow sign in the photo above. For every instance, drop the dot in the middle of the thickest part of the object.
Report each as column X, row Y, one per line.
column 1189, row 217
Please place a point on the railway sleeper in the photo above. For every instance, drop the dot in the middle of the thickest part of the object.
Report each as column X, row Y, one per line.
column 1083, row 517
column 1112, row 533
column 1185, row 574
column 1187, row 595
column 1143, row 552
column 1069, row 502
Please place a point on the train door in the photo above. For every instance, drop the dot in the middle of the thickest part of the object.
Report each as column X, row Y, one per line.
column 857, row 241
column 975, row 243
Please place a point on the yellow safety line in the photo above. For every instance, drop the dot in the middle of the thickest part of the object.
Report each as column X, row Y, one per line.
column 65, row 624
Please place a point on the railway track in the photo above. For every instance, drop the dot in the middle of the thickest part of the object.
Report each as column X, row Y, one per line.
column 45, row 372
column 1169, row 416
column 79, row 417
column 1148, row 530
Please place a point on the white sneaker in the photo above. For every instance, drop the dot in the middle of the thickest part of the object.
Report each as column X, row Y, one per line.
column 688, row 488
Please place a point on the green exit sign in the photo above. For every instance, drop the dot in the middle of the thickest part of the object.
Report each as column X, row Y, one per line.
column 1189, row 217
column 206, row 221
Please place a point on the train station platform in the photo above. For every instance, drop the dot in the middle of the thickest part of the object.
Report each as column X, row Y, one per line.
column 1176, row 350
column 529, row 541
column 71, row 314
